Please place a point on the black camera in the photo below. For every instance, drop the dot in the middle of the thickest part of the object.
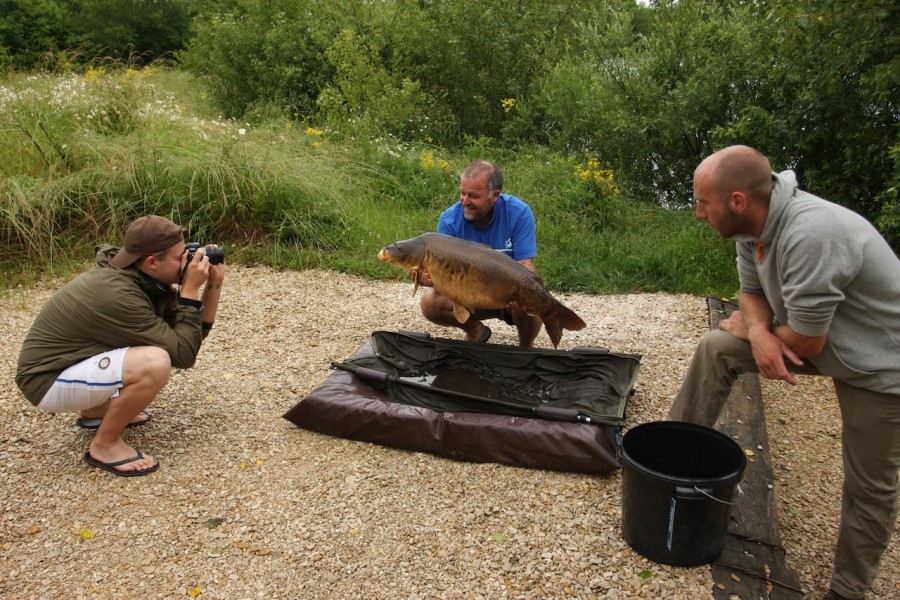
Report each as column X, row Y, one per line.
column 216, row 256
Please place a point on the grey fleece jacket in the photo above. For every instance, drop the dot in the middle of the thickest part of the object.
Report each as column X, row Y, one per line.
column 825, row 270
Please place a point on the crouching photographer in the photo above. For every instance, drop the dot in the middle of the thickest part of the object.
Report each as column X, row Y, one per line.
column 105, row 343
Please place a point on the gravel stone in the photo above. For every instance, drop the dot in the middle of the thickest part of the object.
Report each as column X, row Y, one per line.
column 247, row 505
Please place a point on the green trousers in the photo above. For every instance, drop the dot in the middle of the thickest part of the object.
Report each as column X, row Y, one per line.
column 870, row 446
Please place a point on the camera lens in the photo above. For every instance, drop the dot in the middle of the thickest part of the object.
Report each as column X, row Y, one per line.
column 216, row 256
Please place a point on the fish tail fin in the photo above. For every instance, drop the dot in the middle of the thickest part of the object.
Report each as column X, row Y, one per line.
column 561, row 317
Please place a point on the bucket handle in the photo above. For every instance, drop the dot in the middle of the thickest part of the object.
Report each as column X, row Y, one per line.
column 684, row 490
column 688, row 491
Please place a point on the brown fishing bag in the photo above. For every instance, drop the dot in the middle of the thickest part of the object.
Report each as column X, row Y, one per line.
column 537, row 408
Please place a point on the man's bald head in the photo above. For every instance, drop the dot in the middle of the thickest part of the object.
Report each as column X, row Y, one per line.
column 738, row 168
column 732, row 189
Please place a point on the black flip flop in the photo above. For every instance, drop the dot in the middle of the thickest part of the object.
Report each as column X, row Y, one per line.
column 485, row 335
column 111, row 467
column 94, row 424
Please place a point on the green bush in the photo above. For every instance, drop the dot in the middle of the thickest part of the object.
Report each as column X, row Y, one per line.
column 259, row 53
column 888, row 219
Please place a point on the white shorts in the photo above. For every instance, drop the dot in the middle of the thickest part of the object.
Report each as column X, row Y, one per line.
column 87, row 384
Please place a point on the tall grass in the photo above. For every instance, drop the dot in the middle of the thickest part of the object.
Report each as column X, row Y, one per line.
column 83, row 155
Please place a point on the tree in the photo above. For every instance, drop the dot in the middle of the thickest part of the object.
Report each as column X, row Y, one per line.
column 480, row 55
column 29, row 29
column 830, row 107
column 259, row 53
column 148, row 28
column 646, row 105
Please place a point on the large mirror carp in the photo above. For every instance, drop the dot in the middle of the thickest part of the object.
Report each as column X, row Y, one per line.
column 475, row 275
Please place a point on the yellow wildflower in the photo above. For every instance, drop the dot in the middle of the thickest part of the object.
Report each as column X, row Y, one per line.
column 426, row 160
column 590, row 172
column 92, row 74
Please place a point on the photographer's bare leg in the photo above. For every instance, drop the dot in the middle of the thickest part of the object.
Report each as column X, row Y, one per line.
column 98, row 412
column 439, row 310
column 145, row 372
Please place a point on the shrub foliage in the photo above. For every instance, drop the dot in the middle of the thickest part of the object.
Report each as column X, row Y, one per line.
column 612, row 102
column 650, row 90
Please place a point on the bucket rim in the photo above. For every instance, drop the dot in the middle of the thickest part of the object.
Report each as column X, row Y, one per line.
column 726, row 479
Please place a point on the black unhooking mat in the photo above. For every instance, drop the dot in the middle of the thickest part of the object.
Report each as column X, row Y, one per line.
column 547, row 409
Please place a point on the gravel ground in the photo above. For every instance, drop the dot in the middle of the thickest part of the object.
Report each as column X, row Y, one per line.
column 246, row 505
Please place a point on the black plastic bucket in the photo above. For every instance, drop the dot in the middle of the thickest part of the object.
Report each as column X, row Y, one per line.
column 678, row 480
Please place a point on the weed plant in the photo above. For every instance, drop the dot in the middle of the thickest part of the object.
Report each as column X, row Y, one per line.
column 82, row 155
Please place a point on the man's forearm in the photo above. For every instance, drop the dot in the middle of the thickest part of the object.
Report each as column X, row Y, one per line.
column 528, row 263
column 757, row 316
column 756, row 312
column 803, row 345
column 211, row 301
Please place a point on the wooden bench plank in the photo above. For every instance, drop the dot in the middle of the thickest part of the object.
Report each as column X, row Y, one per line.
column 752, row 564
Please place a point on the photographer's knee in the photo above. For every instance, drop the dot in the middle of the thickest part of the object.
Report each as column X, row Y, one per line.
column 159, row 361
column 148, row 363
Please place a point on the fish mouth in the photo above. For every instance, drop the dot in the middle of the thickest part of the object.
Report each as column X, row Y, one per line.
column 383, row 255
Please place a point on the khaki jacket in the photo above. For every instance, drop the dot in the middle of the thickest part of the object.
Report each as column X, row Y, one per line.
column 101, row 310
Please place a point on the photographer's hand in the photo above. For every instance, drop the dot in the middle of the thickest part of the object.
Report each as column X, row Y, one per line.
column 212, row 291
column 195, row 275
column 216, row 272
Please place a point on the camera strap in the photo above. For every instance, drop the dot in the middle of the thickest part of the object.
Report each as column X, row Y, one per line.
column 154, row 287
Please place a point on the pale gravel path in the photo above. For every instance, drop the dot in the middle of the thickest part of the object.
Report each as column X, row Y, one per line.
column 246, row 505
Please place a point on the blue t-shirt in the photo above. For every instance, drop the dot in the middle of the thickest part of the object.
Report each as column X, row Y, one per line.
column 510, row 231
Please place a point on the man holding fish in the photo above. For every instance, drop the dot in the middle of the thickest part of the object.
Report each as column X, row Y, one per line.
column 503, row 222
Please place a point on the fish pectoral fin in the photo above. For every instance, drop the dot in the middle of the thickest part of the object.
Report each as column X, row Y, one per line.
column 461, row 313
column 416, row 275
